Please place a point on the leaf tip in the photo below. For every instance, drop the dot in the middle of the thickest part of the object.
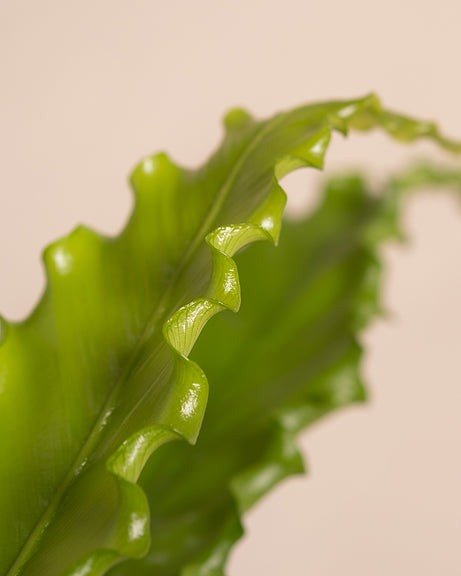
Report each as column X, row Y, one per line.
column 58, row 259
column 151, row 171
column 61, row 257
column 237, row 118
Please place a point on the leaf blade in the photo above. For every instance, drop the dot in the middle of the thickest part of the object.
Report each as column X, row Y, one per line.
column 98, row 329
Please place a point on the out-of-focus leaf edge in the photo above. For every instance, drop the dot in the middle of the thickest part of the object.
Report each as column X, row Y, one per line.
column 183, row 328
column 283, row 458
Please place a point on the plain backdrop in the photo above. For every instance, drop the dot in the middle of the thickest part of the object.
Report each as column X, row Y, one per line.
column 89, row 87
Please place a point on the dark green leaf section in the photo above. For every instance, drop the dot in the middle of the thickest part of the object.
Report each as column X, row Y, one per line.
column 98, row 377
column 291, row 356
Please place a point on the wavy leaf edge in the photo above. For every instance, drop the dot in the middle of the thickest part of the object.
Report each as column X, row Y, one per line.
column 284, row 458
column 183, row 328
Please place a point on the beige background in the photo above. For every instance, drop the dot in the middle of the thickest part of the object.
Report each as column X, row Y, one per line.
column 88, row 87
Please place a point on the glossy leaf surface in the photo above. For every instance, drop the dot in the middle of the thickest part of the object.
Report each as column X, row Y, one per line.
column 98, row 377
column 291, row 356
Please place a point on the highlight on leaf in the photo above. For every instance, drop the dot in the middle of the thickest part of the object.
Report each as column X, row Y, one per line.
column 106, row 353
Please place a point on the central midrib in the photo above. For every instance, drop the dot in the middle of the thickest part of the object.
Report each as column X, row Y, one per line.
column 28, row 549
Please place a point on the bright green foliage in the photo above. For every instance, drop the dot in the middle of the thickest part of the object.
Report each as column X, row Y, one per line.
column 291, row 356
column 98, row 377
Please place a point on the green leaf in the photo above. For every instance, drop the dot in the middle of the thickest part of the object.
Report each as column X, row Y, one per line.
column 292, row 356
column 98, row 377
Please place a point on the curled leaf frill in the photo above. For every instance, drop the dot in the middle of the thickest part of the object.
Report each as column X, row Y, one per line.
column 106, row 352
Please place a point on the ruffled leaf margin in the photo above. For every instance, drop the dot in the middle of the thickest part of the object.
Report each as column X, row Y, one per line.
column 184, row 326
